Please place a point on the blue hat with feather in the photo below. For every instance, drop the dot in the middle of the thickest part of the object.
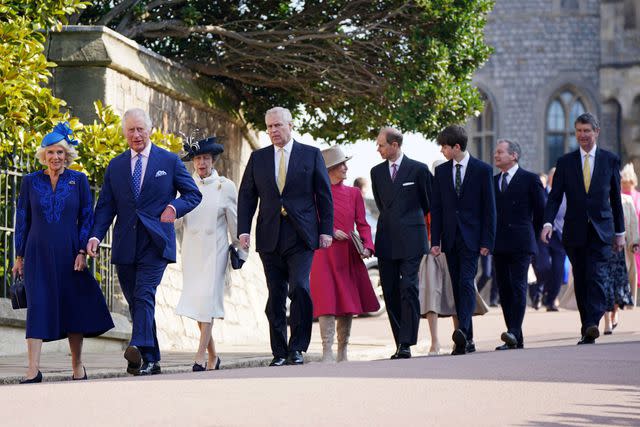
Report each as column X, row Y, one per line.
column 60, row 132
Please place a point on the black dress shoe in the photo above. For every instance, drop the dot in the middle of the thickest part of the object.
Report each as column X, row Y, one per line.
column 592, row 332
column 81, row 378
column 506, row 347
column 586, row 340
column 552, row 308
column 509, row 339
column 134, row 357
column 403, row 352
column 34, row 380
column 278, row 361
column 216, row 367
column 150, row 368
column 295, row 358
column 471, row 347
column 460, row 341
column 198, row 367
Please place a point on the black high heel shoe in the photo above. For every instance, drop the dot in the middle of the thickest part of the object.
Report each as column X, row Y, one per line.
column 217, row 366
column 34, row 380
column 198, row 367
column 82, row 378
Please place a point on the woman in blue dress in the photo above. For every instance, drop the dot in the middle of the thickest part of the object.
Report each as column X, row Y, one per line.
column 53, row 219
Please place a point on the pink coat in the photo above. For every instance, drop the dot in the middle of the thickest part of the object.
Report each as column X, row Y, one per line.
column 340, row 283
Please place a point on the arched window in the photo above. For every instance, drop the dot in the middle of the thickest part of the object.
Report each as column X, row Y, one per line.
column 630, row 11
column 611, row 126
column 482, row 133
column 562, row 112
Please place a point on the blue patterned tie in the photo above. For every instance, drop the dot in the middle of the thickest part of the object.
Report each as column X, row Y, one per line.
column 137, row 176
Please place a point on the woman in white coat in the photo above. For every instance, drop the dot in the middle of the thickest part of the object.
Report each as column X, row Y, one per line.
column 205, row 248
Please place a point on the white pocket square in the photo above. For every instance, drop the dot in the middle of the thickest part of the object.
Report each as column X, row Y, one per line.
column 404, row 184
column 160, row 173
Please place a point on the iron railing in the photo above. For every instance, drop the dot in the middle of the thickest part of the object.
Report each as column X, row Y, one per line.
column 102, row 269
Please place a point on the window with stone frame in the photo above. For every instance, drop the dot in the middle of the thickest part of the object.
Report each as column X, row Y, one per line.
column 481, row 130
column 562, row 112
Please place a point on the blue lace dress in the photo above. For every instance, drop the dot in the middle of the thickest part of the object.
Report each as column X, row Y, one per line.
column 51, row 227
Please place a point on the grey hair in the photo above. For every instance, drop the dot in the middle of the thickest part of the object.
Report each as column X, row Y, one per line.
column 391, row 135
column 72, row 154
column 137, row 112
column 282, row 112
column 588, row 119
column 512, row 148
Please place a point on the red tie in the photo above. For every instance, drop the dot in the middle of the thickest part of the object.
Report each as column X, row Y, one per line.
column 394, row 172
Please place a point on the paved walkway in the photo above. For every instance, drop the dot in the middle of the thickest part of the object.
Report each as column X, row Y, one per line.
column 371, row 340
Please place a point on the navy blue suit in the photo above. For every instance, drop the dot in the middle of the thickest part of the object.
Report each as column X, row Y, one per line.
column 590, row 225
column 142, row 245
column 286, row 242
column 520, row 208
column 401, row 241
column 461, row 225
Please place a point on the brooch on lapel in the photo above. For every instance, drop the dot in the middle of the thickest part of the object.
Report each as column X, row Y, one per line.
column 72, row 183
column 160, row 173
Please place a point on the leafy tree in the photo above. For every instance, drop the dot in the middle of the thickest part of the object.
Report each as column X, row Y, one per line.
column 348, row 66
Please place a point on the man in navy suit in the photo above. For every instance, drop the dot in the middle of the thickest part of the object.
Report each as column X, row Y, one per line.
column 295, row 218
column 520, row 207
column 401, row 188
column 590, row 180
column 463, row 224
column 139, row 189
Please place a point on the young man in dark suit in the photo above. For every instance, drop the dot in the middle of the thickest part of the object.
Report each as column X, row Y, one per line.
column 295, row 218
column 463, row 224
column 139, row 190
column 519, row 206
column 589, row 178
column 401, row 188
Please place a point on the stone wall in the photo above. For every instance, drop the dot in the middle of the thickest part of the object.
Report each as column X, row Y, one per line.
column 95, row 63
column 540, row 47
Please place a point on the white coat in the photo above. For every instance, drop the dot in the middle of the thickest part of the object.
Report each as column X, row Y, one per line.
column 205, row 248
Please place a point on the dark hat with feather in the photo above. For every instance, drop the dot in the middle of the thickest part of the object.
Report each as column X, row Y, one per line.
column 204, row 146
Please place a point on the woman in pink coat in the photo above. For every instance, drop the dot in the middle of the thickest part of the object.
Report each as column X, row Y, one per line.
column 340, row 285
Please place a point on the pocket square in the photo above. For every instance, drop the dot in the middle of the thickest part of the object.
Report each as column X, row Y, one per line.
column 160, row 173
column 404, row 184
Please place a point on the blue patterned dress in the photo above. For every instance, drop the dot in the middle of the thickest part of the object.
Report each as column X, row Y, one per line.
column 51, row 227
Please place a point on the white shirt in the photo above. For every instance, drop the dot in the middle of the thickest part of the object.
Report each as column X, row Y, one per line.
column 144, row 154
column 397, row 163
column 511, row 172
column 277, row 152
column 592, row 158
column 464, row 162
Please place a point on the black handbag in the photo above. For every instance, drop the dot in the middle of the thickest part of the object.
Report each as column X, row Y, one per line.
column 234, row 256
column 18, row 293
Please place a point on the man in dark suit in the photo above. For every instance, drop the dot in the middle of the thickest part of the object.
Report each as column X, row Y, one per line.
column 519, row 207
column 295, row 218
column 140, row 187
column 590, row 179
column 401, row 188
column 463, row 224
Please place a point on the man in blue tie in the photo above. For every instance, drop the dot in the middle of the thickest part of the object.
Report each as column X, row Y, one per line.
column 139, row 189
column 589, row 178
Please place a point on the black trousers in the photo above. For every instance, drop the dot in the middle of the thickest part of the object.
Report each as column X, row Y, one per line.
column 511, row 275
column 463, row 266
column 589, row 266
column 287, row 272
column 399, row 278
column 548, row 264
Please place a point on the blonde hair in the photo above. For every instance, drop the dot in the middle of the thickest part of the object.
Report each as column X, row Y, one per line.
column 629, row 174
column 71, row 153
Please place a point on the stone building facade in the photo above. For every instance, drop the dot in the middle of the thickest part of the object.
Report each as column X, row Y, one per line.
column 95, row 63
column 553, row 60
